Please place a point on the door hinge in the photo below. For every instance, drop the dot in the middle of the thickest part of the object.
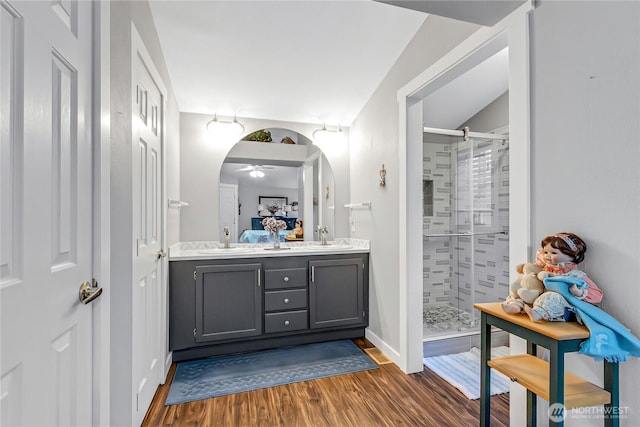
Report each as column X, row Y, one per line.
column 364, row 314
column 137, row 402
column 194, row 332
column 137, row 94
column 194, row 275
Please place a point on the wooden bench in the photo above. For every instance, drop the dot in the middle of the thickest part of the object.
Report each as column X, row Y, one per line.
column 545, row 379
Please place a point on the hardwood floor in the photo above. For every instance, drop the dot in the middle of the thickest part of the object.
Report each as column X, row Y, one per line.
column 380, row 397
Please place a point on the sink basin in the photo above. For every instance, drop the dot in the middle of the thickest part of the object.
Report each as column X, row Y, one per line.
column 327, row 247
column 221, row 251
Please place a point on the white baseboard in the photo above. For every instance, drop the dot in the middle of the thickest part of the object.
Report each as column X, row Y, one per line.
column 383, row 347
column 167, row 366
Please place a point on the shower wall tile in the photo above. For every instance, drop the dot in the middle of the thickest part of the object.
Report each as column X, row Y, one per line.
column 437, row 256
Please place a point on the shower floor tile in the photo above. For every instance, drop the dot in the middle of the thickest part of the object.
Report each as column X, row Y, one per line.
column 445, row 320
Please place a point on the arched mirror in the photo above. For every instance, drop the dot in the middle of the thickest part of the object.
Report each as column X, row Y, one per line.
column 275, row 172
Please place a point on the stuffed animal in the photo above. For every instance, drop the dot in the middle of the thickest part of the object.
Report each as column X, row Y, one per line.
column 525, row 289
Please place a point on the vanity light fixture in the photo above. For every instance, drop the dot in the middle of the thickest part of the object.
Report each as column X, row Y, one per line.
column 326, row 135
column 224, row 128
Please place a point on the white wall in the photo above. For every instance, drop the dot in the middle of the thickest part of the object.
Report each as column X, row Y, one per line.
column 585, row 83
column 585, row 78
column 374, row 140
column 200, row 162
column 249, row 196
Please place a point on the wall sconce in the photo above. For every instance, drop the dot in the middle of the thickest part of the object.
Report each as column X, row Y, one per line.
column 327, row 135
column 223, row 128
column 383, row 176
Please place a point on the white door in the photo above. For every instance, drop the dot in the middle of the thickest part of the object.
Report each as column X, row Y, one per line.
column 46, row 213
column 148, row 127
column 229, row 211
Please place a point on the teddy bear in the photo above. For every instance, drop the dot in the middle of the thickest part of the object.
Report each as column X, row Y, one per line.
column 525, row 289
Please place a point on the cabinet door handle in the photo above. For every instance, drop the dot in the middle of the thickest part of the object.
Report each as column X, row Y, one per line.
column 286, row 300
column 286, row 323
column 286, row 278
column 259, row 275
column 313, row 273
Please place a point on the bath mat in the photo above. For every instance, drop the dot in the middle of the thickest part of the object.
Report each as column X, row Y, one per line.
column 212, row 377
column 462, row 370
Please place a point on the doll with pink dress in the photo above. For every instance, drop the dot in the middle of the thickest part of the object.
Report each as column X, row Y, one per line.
column 561, row 253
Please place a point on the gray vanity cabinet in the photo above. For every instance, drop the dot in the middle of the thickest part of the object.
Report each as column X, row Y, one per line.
column 223, row 306
column 336, row 292
column 228, row 301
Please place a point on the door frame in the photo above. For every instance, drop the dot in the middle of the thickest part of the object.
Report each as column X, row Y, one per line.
column 101, row 176
column 512, row 31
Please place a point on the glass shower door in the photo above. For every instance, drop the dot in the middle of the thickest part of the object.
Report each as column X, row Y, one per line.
column 469, row 228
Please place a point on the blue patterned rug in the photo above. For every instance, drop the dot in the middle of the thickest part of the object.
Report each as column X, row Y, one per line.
column 205, row 378
column 462, row 370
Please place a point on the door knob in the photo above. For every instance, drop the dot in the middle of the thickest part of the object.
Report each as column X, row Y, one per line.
column 89, row 292
column 161, row 253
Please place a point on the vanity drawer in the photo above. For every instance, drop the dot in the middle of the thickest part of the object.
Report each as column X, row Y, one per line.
column 285, row 300
column 287, row 321
column 285, row 278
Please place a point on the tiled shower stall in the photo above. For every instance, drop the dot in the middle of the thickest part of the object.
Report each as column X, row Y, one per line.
column 465, row 229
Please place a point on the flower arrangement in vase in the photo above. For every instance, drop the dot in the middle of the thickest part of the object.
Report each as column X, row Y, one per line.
column 273, row 226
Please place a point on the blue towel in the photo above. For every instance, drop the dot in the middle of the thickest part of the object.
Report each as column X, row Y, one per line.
column 608, row 338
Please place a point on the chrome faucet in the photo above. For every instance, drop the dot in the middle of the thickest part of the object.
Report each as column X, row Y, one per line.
column 322, row 234
column 227, row 238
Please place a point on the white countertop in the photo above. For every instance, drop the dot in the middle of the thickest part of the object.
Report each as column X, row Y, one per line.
column 184, row 251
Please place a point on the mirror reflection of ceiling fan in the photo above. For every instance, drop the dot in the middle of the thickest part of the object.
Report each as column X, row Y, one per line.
column 255, row 171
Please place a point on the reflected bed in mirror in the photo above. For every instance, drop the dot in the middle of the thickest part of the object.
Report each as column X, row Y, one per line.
column 286, row 179
column 257, row 233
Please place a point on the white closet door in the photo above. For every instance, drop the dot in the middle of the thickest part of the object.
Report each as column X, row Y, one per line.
column 148, row 128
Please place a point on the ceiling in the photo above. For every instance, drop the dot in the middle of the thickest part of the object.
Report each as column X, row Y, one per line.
column 453, row 104
column 299, row 61
column 314, row 61
column 483, row 12
column 275, row 176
